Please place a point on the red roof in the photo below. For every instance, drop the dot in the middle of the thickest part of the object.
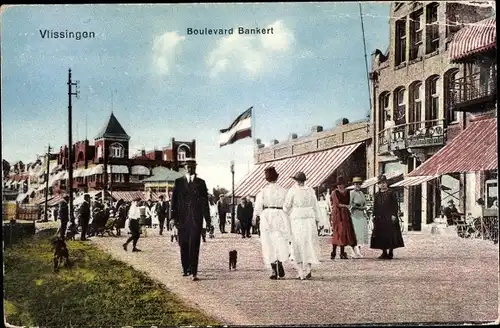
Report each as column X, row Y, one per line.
column 474, row 149
column 474, row 38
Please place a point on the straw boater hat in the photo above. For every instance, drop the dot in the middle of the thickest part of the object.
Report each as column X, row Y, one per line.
column 299, row 176
column 271, row 174
column 357, row 180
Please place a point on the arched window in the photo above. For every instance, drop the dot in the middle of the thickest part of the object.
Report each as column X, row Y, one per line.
column 116, row 150
column 181, row 154
column 399, row 106
column 384, row 109
column 450, row 91
column 432, row 103
column 415, row 113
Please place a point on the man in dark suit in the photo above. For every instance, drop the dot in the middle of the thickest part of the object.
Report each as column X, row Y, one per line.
column 84, row 216
column 189, row 207
column 63, row 216
column 245, row 214
column 222, row 209
column 162, row 212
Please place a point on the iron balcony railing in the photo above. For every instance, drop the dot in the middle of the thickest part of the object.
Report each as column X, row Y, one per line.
column 412, row 135
column 473, row 88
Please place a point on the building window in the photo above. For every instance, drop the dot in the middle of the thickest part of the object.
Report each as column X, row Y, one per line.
column 116, row 150
column 181, row 155
column 99, row 151
column 450, row 93
column 432, row 31
column 432, row 109
column 416, row 31
column 384, row 109
column 399, row 104
column 400, row 50
column 415, row 114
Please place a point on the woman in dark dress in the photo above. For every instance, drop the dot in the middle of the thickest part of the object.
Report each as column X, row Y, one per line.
column 386, row 234
column 342, row 227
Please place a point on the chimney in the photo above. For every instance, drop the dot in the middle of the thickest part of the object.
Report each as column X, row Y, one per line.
column 274, row 142
column 258, row 141
column 260, row 145
column 143, row 152
column 316, row 128
column 292, row 136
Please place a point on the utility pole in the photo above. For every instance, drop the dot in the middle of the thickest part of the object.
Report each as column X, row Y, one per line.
column 233, row 207
column 70, row 141
column 46, row 218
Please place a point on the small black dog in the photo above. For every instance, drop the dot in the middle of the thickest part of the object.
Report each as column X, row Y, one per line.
column 233, row 259
column 71, row 232
column 61, row 253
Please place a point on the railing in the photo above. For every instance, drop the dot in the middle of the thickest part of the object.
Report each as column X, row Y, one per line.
column 473, row 88
column 412, row 135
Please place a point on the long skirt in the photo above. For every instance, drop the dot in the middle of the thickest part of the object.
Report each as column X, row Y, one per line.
column 386, row 234
column 360, row 224
column 274, row 236
column 305, row 244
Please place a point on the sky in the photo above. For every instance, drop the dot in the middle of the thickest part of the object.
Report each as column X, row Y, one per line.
column 161, row 82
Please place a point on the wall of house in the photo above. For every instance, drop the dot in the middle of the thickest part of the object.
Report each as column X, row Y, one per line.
column 388, row 77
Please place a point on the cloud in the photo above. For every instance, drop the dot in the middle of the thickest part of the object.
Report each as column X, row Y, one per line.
column 165, row 47
column 251, row 55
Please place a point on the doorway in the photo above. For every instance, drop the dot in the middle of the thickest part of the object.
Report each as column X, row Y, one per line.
column 415, row 218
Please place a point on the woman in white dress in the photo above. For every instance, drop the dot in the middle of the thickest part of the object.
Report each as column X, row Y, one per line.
column 274, row 224
column 324, row 222
column 303, row 209
column 359, row 220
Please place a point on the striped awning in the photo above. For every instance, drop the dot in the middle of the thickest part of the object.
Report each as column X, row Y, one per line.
column 473, row 150
column 55, row 200
column 79, row 173
column 128, row 196
column 473, row 38
column 373, row 180
column 413, row 181
column 88, row 171
column 41, row 199
column 317, row 167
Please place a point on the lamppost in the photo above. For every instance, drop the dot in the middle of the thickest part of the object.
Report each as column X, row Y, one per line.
column 233, row 230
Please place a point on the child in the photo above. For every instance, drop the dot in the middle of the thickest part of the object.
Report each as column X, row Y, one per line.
column 173, row 232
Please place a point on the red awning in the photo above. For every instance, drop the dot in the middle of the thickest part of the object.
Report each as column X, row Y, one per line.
column 474, row 149
column 413, row 181
column 474, row 38
column 317, row 167
column 128, row 196
column 55, row 200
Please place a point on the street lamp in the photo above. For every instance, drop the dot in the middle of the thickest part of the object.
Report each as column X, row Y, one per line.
column 233, row 230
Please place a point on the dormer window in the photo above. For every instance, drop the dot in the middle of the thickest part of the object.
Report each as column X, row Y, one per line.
column 116, row 150
column 181, row 155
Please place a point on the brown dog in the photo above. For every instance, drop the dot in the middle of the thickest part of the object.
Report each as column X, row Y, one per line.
column 61, row 253
column 233, row 259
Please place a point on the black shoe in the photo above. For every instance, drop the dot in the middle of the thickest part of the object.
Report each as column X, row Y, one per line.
column 243, row 236
column 343, row 256
column 309, row 276
column 125, row 246
column 332, row 255
column 281, row 270
column 274, row 276
column 390, row 256
column 195, row 278
column 249, row 236
column 384, row 256
column 136, row 250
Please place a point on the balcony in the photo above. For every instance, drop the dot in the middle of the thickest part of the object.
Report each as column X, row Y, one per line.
column 473, row 92
column 411, row 135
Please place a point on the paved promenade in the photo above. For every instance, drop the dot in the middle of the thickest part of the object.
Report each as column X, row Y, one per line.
column 432, row 279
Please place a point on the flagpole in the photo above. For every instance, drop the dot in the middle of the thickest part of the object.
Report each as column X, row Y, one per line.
column 253, row 132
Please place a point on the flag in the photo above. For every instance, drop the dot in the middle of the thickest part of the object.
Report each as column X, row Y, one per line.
column 240, row 129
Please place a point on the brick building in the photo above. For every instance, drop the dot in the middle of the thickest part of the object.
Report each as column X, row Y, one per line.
column 344, row 150
column 106, row 164
column 411, row 111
